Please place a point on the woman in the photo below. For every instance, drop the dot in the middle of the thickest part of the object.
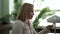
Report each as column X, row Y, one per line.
column 22, row 24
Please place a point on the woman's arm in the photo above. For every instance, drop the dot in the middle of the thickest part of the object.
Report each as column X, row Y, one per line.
column 44, row 31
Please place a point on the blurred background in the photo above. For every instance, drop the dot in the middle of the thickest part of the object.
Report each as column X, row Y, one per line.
column 43, row 9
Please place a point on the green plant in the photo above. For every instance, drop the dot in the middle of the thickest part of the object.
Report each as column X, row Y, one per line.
column 43, row 14
column 5, row 19
column 16, row 7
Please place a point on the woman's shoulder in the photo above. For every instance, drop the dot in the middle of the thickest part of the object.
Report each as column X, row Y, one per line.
column 18, row 23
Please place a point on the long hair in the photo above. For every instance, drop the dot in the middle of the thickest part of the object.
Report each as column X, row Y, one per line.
column 22, row 14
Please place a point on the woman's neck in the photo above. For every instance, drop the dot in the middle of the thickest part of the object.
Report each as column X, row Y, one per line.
column 27, row 22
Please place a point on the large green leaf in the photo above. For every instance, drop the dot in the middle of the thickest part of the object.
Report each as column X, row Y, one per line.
column 42, row 14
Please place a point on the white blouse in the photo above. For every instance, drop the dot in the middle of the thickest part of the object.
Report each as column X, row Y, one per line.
column 20, row 27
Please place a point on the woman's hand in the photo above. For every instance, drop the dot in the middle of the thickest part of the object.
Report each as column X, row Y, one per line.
column 49, row 27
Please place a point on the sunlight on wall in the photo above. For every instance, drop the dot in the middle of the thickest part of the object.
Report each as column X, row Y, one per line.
column 11, row 6
column 28, row 1
column 52, row 4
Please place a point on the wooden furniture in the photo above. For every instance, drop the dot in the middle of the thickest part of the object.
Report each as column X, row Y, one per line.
column 4, row 29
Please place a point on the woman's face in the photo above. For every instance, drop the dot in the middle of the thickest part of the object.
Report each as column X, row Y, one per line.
column 30, row 13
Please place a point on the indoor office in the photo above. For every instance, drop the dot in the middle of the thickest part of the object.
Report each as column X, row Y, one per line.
column 45, row 16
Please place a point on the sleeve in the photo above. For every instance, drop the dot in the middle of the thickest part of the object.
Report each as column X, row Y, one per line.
column 17, row 28
column 44, row 31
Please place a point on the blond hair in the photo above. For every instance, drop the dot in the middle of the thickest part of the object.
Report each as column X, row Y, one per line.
column 22, row 14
